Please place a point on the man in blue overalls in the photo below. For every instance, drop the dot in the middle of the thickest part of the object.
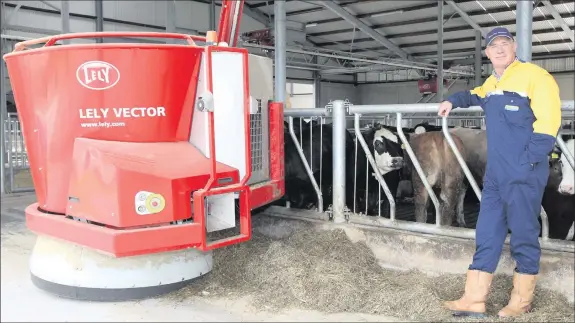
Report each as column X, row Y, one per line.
column 523, row 116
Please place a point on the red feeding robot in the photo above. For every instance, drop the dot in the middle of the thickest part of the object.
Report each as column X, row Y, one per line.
column 137, row 151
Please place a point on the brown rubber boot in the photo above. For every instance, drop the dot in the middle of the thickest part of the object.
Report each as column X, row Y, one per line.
column 521, row 295
column 472, row 303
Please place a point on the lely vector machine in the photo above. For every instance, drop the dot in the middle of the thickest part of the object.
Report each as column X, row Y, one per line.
column 137, row 151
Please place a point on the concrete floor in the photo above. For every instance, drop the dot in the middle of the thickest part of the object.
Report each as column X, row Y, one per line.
column 22, row 301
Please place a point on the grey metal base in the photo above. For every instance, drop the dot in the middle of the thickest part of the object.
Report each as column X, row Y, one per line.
column 105, row 294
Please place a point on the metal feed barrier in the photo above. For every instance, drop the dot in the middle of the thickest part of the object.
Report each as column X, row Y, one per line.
column 15, row 154
column 340, row 113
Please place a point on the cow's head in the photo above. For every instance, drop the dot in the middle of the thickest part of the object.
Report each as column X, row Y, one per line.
column 387, row 151
column 567, row 185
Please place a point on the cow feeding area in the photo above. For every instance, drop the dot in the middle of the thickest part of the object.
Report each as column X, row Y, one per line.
column 292, row 264
column 289, row 266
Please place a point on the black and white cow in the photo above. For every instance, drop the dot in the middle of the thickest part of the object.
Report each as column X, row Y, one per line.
column 559, row 196
column 361, row 177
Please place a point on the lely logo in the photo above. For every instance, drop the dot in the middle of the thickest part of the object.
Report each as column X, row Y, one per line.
column 97, row 75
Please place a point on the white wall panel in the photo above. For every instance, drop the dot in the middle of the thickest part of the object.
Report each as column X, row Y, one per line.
column 338, row 91
column 301, row 95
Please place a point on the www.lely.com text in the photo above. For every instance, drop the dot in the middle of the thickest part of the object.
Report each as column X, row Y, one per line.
column 104, row 124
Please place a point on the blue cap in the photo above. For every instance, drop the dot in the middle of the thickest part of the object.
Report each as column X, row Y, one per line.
column 497, row 32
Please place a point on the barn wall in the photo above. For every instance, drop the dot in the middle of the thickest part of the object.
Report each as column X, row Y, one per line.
column 338, row 91
column 407, row 92
column 398, row 92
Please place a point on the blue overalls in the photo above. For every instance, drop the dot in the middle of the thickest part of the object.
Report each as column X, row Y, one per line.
column 522, row 115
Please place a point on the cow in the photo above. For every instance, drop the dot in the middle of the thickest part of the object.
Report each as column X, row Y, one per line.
column 560, row 209
column 559, row 196
column 437, row 161
column 558, row 199
column 362, row 187
column 567, row 185
column 299, row 191
column 404, row 189
column 360, row 176
column 426, row 127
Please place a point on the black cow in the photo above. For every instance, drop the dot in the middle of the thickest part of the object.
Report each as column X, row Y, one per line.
column 299, row 188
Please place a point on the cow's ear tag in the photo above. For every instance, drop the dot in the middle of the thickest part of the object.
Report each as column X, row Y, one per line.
column 554, row 156
column 402, row 146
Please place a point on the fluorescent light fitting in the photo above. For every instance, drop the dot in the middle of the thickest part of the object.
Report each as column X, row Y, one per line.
column 387, row 13
column 313, row 24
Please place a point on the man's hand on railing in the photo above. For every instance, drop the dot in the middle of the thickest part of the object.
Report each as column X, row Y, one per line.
column 444, row 108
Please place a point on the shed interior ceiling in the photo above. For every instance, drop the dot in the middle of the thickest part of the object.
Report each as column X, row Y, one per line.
column 412, row 25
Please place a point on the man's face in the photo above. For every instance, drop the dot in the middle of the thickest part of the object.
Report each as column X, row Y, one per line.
column 501, row 51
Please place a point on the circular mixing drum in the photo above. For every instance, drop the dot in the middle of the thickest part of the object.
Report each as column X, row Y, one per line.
column 72, row 271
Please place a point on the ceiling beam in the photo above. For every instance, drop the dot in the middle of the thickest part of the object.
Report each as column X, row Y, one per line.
column 445, row 41
column 445, row 30
column 257, row 15
column 466, row 17
column 363, row 27
column 559, row 19
column 431, row 19
column 378, row 13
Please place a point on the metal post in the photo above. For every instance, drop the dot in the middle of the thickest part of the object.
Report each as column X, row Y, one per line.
column 170, row 19
column 3, row 117
column 317, row 88
column 99, row 18
column 213, row 15
column 524, row 29
column 65, row 16
column 339, row 134
column 280, row 50
column 478, row 56
column 440, row 51
column 316, row 84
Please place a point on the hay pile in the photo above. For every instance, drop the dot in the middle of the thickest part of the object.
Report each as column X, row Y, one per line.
column 312, row 269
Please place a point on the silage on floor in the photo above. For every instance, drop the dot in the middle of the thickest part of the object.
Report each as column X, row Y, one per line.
column 323, row 270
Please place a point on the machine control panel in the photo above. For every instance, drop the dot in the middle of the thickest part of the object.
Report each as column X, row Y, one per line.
column 149, row 203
